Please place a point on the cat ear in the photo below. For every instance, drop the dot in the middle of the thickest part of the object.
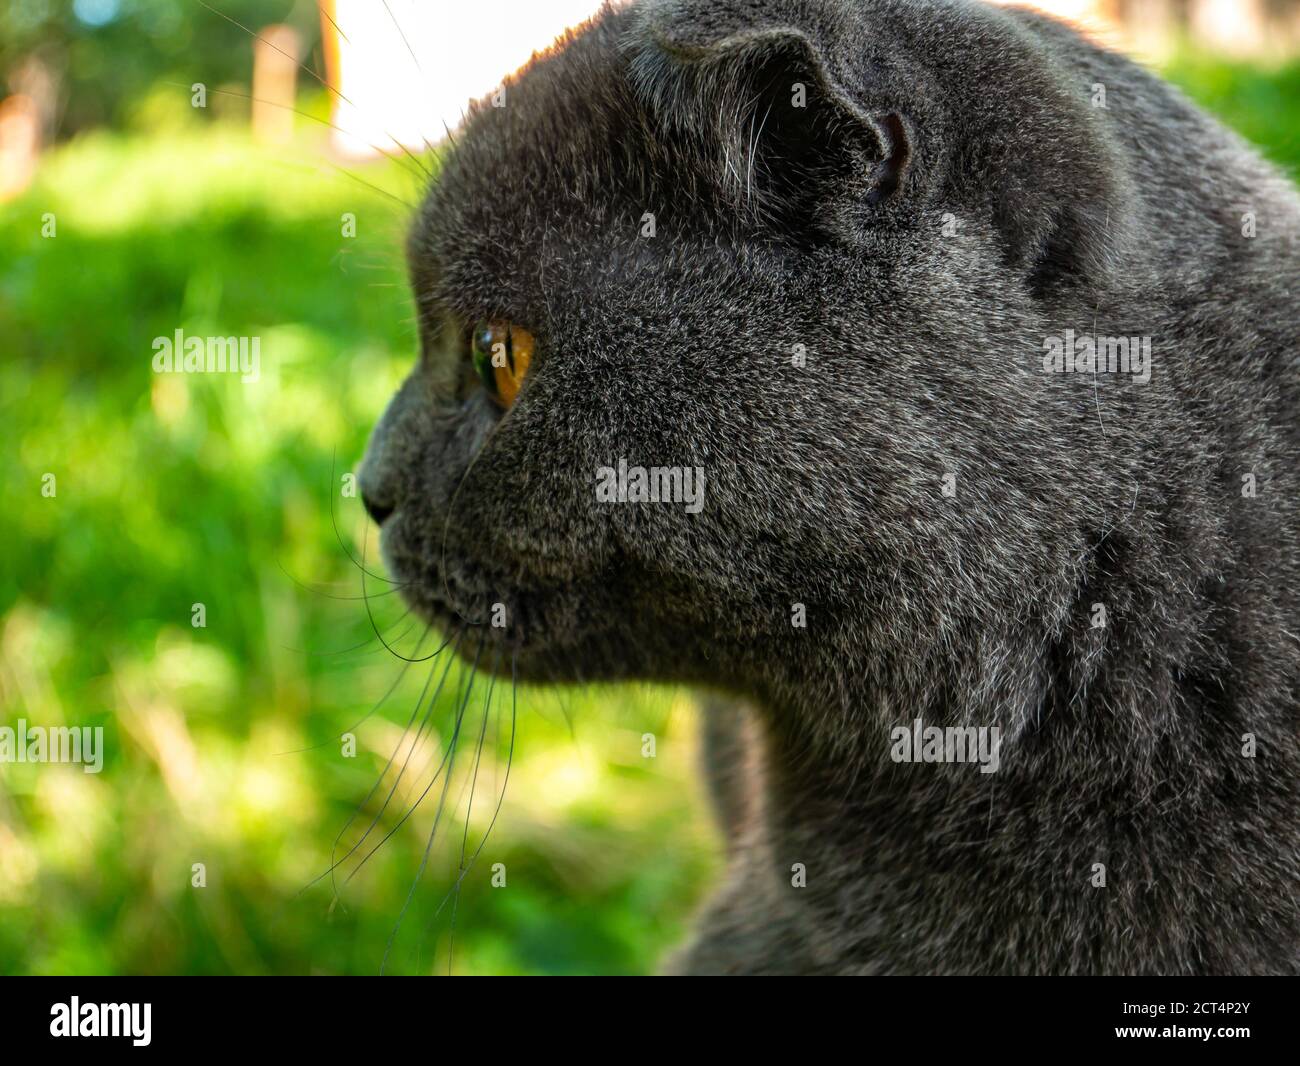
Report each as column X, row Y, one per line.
column 758, row 102
column 875, row 139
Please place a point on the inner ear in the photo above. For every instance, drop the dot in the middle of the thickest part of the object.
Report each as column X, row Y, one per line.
column 793, row 145
column 804, row 149
column 764, row 114
column 896, row 153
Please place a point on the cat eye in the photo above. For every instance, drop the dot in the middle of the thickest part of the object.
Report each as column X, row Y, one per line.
column 501, row 353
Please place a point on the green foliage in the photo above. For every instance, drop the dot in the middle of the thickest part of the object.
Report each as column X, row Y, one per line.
column 181, row 489
column 108, row 54
column 174, row 490
column 1262, row 105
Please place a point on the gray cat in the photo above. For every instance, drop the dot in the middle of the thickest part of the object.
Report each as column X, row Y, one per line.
column 975, row 346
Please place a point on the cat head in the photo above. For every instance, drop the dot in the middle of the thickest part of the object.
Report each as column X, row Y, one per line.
column 780, row 274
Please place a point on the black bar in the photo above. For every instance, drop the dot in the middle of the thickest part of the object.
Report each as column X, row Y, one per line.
column 339, row 1015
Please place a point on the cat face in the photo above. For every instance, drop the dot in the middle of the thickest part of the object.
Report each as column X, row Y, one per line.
column 767, row 335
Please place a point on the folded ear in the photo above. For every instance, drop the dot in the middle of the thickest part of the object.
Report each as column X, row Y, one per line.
column 755, row 98
column 832, row 117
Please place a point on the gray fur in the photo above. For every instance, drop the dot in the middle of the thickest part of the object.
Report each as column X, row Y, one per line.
column 832, row 227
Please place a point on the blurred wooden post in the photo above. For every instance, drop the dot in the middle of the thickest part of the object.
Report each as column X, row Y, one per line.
column 20, row 143
column 1290, row 29
column 1149, row 25
column 329, row 39
column 275, row 76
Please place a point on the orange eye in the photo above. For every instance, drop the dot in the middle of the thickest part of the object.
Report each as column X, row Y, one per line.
column 501, row 353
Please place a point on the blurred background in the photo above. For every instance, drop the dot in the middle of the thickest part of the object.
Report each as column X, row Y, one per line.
column 246, row 168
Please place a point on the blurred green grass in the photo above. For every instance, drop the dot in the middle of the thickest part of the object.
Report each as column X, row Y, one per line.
column 184, row 489
column 1262, row 104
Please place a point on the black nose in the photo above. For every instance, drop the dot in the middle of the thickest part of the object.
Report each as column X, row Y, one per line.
column 378, row 511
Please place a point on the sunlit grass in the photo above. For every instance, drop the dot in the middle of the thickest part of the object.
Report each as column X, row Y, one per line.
column 185, row 489
column 1261, row 104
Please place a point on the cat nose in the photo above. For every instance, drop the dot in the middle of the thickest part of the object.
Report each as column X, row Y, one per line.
column 378, row 511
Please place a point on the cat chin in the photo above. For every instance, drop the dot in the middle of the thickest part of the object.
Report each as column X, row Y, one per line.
column 543, row 628
column 480, row 627
column 526, row 648
column 579, row 659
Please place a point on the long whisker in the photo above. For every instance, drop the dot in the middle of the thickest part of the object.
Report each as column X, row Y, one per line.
column 510, row 758
column 289, row 165
column 469, row 811
column 330, row 19
column 334, row 865
column 401, row 33
column 422, row 171
column 428, row 174
column 392, row 791
column 442, row 803
column 317, row 591
column 374, row 625
column 363, row 644
column 374, row 188
column 447, row 762
column 365, row 718
column 294, row 60
column 414, row 58
column 366, row 648
column 339, row 536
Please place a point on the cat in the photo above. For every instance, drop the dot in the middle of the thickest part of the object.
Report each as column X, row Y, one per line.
column 983, row 342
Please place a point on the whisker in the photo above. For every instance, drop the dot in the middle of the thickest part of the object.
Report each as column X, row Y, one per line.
column 469, row 811
column 330, row 19
column 501, row 795
column 375, row 188
column 295, row 61
column 406, row 762
column 302, row 167
column 361, row 721
column 317, row 591
column 334, row 865
column 357, row 647
column 442, row 803
column 402, row 33
column 339, row 536
column 422, row 171
column 448, row 761
column 374, row 625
